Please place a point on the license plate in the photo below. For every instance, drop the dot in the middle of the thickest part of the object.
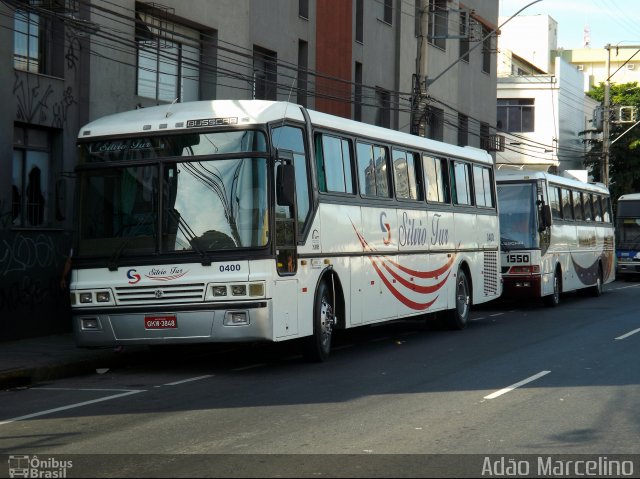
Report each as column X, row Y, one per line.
column 160, row 322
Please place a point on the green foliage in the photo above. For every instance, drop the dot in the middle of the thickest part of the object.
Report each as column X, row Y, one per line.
column 624, row 154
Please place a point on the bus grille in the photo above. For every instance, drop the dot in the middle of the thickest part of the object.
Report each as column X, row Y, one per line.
column 175, row 293
column 490, row 273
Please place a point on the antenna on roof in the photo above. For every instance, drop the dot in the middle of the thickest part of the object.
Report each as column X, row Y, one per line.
column 586, row 37
column 168, row 114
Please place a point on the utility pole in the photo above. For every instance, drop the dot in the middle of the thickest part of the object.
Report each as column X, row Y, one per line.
column 419, row 100
column 606, row 119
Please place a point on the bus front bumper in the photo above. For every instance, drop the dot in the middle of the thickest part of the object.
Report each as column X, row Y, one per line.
column 179, row 325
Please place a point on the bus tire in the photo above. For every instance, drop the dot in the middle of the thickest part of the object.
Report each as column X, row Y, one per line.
column 553, row 299
column 596, row 289
column 316, row 348
column 458, row 317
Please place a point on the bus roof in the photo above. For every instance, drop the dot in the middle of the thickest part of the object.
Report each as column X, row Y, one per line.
column 183, row 116
column 630, row 197
column 515, row 175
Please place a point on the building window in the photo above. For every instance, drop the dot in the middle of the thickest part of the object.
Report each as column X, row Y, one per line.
column 357, row 97
column 435, row 124
column 464, row 36
column 303, row 59
column 486, row 50
column 383, row 102
column 31, row 40
column 359, row 21
column 388, row 11
column 168, row 59
column 303, row 8
column 463, row 130
column 438, row 20
column 30, row 204
column 516, row 115
column 265, row 74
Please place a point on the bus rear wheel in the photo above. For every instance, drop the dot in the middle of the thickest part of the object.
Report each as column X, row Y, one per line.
column 317, row 347
column 458, row 317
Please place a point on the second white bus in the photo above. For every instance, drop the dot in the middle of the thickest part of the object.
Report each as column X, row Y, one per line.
column 556, row 235
column 220, row 221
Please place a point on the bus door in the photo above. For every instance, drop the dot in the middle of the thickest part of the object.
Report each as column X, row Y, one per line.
column 285, row 304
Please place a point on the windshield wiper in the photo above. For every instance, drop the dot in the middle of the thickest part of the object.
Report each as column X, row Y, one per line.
column 113, row 261
column 186, row 230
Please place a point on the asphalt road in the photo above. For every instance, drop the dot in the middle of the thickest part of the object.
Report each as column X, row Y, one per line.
column 522, row 382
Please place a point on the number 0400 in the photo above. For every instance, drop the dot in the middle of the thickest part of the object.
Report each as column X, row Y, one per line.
column 225, row 268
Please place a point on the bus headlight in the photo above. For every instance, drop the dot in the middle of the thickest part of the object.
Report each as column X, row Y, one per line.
column 256, row 289
column 239, row 289
column 219, row 290
column 103, row 297
column 236, row 318
column 86, row 298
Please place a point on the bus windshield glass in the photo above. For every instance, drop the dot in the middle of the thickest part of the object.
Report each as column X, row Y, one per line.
column 150, row 196
column 628, row 224
column 517, row 216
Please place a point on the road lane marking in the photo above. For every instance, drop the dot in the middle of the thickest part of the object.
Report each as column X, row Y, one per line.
column 251, row 366
column 496, row 314
column 198, row 378
column 516, row 385
column 72, row 406
column 624, row 336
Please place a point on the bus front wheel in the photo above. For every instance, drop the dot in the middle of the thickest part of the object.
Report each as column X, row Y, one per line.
column 554, row 298
column 596, row 289
column 317, row 347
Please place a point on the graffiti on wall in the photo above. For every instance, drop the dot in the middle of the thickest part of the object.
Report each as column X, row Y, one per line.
column 31, row 300
column 35, row 103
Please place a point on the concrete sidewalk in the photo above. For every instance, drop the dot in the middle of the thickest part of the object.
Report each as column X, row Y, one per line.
column 27, row 361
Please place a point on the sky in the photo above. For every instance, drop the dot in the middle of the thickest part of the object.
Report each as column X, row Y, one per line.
column 609, row 21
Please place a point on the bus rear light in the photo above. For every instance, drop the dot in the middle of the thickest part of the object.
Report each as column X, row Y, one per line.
column 236, row 318
column 533, row 269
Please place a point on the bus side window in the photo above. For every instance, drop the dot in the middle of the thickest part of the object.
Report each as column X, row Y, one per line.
column 334, row 160
column 606, row 209
column 588, row 208
column 435, row 173
column 597, row 208
column 461, row 180
column 404, row 169
column 482, row 185
column 578, row 213
column 554, row 202
column 567, row 207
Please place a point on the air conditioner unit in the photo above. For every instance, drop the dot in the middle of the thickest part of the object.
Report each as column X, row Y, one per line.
column 580, row 67
column 630, row 66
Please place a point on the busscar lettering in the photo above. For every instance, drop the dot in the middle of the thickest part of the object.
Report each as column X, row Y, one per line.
column 203, row 122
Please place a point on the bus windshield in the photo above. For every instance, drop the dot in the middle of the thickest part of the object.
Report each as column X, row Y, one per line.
column 171, row 202
column 517, row 216
column 628, row 230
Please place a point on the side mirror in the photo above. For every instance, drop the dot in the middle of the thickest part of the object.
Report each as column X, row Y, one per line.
column 285, row 179
column 546, row 217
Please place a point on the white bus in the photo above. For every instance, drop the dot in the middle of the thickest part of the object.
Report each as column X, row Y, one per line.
column 556, row 235
column 221, row 221
column 628, row 236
